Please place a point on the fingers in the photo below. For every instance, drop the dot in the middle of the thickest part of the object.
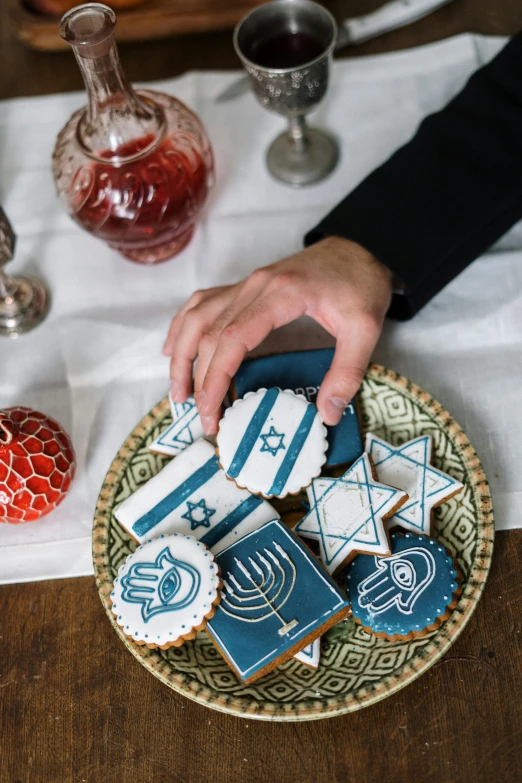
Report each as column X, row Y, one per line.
column 196, row 299
column 248, row 328
column 194, row 323
column 352, row 356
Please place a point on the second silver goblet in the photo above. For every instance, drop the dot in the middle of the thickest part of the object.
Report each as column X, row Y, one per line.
column 286, row 48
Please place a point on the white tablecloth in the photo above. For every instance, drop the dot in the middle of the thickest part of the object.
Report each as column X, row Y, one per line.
column 96, row 364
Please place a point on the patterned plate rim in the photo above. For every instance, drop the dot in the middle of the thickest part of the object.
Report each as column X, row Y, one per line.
column 336, row 705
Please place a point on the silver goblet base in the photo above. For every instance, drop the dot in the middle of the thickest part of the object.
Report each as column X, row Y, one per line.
column 24, row 303
column 304, row 163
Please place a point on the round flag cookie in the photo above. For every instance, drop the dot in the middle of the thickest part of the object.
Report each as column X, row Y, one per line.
column 166, row 591
column 406, row 594
column 272, row 442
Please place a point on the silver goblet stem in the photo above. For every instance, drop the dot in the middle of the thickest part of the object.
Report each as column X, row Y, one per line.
column 24, row 301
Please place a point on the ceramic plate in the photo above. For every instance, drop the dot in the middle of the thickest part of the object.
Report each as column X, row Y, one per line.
column 356, row 669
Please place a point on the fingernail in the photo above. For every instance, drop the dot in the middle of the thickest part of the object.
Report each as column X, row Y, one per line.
column 165, row 350
column 175, row 390
column 208, row 425
column 335, row 408
column 202, row 402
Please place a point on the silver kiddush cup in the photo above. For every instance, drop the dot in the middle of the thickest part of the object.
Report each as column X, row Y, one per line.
column 302, row 155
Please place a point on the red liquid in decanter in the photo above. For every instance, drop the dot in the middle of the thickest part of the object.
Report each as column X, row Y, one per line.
column 151, row 200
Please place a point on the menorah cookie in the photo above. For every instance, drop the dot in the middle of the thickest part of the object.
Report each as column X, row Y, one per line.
column 276, row 600
column 303, row 372
column 408, row 467
column 347, row 514
column 166, row 591
column 272, row 442
column 192, row 495
column 186, row 428
column 311, row 655
column 407, row 594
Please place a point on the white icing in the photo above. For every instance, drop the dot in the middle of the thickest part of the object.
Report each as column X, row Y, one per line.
column 311, row 655
column 346, row 514
column 262, row 466
column 217, row 494
column 408, row 467
column 186, row 428
column 163, row 625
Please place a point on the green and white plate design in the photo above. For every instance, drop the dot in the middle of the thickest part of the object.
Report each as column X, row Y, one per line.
column 356, row 669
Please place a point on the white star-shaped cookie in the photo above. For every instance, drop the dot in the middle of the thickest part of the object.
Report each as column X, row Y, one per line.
column 409, row 468
column 347, row 514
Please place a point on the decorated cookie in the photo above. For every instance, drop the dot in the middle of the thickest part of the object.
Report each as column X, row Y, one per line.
column 186, row 428
column 405, row 595
column 166, row 591
column 347, row 514
column 303, row 372
column 311, row 655
column 408, row 467
column 276, row 600
column 272, row 442
column 192, row 495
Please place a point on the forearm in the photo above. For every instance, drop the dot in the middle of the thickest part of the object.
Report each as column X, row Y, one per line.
column 447, row 195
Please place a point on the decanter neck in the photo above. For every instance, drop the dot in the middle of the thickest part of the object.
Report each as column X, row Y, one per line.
column 115, row 115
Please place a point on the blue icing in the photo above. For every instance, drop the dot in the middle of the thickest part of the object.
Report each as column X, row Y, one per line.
column 303, row 372
column 272, row 441
column 185, row 428
column 406, row 591
column 165, row 585
column 274, row 594
column 175, row 498
column 198, row 514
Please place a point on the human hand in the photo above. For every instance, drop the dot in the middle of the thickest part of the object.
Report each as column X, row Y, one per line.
column 336, row 282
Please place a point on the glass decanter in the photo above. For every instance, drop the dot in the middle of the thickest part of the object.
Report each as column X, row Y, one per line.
column 134, row 167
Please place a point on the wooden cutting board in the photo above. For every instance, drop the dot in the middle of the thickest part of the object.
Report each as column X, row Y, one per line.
column 153, row 19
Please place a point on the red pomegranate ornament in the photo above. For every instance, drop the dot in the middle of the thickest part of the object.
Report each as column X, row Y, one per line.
column 36, row 464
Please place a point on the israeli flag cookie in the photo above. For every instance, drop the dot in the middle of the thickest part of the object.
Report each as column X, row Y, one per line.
column 186, row 428
column 347, row 514
column 407, row 594
column 311, row 655
column 192, row 495
column 166, row 591
column 303, row 372
column 272, row 442
column 408, row 467
column 276, row 600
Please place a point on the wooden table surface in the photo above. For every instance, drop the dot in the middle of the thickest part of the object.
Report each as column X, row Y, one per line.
column 75, row 705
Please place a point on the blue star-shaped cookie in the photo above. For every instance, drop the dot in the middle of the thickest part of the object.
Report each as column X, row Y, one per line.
column 408, row 467
column 347, row 514
column 201, row 517
column 276, row 441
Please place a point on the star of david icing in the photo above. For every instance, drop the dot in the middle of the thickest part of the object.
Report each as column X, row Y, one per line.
column 346, row 514
column 272, row 441
column 198, row 514
column 408, row 467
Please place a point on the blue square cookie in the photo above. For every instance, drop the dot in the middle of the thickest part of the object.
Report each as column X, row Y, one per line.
column 276, row 598
column 303, row 372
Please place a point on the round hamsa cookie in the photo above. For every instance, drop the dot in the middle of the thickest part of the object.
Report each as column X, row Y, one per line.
column 166, row 591
column 272, row 442
column 406, row 594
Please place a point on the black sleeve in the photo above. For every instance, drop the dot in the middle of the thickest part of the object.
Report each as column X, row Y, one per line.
column 451, row 192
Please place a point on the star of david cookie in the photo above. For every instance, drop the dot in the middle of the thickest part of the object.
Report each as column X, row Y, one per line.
column 166, row 591
column 192, row 495
column 407, row 594
column 276, row 600
column 408, row 467
column 347, row 514
column 311, row 655
column 272, row 442
column 185, row 429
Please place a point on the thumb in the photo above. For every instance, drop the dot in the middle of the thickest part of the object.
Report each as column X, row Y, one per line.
column 352, row 356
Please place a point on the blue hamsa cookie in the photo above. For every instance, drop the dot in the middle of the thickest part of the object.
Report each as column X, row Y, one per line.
column 406, row 594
